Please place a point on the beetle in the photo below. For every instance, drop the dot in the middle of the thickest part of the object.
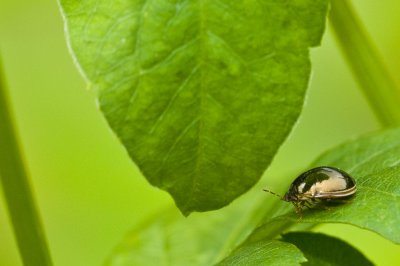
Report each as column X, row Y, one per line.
column 322, row 184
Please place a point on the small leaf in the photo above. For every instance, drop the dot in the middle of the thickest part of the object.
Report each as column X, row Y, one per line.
column 320, row 250
column 201, row 93
column 267, row 252
column 374, row 163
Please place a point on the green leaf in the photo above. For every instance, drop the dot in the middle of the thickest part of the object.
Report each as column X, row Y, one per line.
column 267, row 252
column 374, row 163
column 201, row 93
column 320, row 250
column 198, row 240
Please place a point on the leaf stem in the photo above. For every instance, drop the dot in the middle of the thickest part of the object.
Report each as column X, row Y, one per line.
column 17, row 192
column 367, row 66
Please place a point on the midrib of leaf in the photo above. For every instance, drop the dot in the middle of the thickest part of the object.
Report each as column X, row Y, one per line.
column 200, row 63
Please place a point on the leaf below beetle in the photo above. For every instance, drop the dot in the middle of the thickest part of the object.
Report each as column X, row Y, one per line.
column 201, row 93
column 373, row 161
column 265, row 252
column 321, row 250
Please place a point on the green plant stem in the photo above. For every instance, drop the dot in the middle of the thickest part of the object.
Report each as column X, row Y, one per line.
column 366, row 64
column 18, row 195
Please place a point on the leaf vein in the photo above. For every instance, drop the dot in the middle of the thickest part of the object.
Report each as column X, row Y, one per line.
column 170, row 56
column 105, row 38
column 177, row 140
column 172, row 99
column 218, row 103
column 372, row 156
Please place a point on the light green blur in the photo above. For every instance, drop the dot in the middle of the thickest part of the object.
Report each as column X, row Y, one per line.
column 88, row 191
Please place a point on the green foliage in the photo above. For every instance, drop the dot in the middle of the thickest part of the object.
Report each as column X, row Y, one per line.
column 373, row 162
column 201, row 93
column 204, row 239
column 322, row 250
column 267, row 252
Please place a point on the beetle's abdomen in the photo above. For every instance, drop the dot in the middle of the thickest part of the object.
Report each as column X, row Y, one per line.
column 330, row 185
column 323, row 181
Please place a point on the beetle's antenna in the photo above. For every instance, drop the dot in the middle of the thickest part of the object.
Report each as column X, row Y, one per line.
column 273, row 193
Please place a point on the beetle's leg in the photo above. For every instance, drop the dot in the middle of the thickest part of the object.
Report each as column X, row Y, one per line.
column 307, row 204
column 323, row 204
column 298, row 209
column 320, row 204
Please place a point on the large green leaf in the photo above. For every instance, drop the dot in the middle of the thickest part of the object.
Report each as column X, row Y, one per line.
column 323, row 250
column 201, row 92
column 265, row 252
column 374, row 163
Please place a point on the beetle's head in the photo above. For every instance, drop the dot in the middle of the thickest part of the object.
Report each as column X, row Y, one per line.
column 290, row 197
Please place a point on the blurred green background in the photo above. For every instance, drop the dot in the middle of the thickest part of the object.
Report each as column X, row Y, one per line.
column 88, row 191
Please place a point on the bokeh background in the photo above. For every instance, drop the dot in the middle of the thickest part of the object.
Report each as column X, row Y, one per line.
column 88, row 191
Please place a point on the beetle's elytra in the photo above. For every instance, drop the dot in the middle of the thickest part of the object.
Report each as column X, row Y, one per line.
column 319, row 184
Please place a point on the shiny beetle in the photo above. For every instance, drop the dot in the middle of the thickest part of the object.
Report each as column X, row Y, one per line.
column 319, row 184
